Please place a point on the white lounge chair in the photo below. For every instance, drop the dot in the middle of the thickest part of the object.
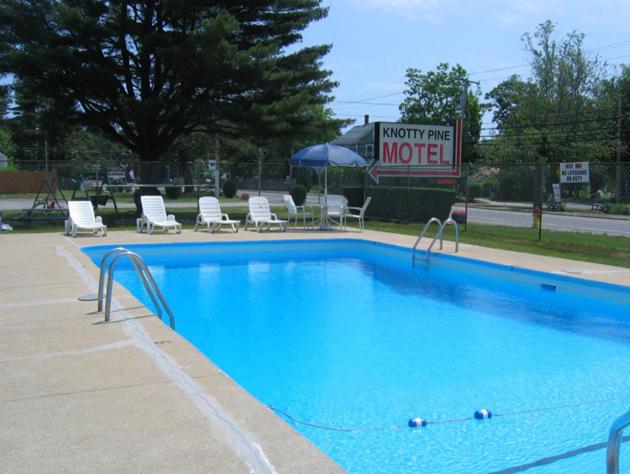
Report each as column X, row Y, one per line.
column 336, row 209
column 260, row 215
column 211, row 216
column 360, row 216
column 81, row 216
column 154, row 214
column 296, row 213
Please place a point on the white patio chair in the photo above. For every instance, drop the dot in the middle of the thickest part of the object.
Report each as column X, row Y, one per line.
column 298, row 212
column 336, row 209
column 154, row 214
column 81, row 216
column 360, row 216
column 260, row 215
column 211, row 216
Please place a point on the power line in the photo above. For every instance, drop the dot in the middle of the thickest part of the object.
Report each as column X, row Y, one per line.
column 605, row 47
column 556, row 124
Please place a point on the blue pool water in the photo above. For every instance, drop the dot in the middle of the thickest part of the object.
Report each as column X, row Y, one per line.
column 347, row 334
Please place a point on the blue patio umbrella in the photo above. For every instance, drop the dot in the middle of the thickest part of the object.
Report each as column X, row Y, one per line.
column 321, row 157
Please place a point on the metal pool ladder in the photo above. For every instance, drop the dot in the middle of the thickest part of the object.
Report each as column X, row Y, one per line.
column 424, row 231
column 143, row 273
column 614, row 441
column 439, row 235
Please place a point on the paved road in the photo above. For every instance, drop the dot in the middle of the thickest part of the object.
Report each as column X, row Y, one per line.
column 594, row 225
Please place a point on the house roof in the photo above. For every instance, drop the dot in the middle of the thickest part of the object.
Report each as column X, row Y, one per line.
column 359, row 135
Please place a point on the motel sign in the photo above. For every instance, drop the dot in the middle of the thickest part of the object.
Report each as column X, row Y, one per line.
column 418, row 150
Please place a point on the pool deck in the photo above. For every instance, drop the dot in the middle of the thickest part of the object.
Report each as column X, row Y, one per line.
column 78, row 394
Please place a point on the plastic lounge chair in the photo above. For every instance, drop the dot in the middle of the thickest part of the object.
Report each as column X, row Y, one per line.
column 298, row 212
column 260, row 215
column 154, row 214
column 360, row 217
column 336, row 209
column 210, row 215
column 82, row 217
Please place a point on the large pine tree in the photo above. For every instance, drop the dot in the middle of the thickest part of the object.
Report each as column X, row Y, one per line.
column 146, row 72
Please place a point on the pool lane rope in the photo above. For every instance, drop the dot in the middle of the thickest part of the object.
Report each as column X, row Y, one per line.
column 417, row 422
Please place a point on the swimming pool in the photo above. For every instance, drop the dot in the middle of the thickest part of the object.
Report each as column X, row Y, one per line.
column 347, row 335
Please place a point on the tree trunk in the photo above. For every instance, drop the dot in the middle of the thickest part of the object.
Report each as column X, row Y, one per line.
column 150, row 174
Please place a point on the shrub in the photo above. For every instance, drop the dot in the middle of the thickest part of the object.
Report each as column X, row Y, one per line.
column 490, row 187
column 245, row 196
column 229, row 188
column 173, row 192
column 354, row 196
column 516, row 184
column 474, row 190
column 415, row 204
column 303, row 176
column 298, row 193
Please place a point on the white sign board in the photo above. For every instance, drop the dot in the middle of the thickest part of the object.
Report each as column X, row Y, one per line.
column 421, row 150
column 575, row 172
column 557, row 193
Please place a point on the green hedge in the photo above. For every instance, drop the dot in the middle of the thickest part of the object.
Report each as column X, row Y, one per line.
column 391, row 203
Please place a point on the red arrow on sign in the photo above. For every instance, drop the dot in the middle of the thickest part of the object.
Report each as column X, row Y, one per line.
column 373, row 172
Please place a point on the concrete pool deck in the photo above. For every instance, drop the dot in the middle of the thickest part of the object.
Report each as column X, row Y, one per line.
column 131, row 395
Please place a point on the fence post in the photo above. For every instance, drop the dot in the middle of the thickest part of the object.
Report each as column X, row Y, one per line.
column 468, row 172
column 408, row 188
column 541, row 179
column 260, row 172
column 217, row 170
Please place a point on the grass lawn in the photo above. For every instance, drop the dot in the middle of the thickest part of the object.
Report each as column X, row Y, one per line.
column 571, row 245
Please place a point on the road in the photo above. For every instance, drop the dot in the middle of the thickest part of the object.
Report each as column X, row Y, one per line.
column 593, row 225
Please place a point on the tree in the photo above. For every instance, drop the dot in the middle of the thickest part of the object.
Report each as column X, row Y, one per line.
column 555, row 112
column 434, row 98
column 147, row 72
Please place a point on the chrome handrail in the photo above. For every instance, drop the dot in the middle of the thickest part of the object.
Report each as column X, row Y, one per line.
column 424, row 231
column 101, row 276
column 143, row 273
column 440, row 235
column 614, row 441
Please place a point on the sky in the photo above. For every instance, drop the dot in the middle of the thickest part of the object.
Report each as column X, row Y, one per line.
column 375, row 41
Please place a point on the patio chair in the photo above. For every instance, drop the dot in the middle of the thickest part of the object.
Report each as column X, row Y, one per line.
column 298, row 212
column 211, row 216
column 360, row 216
column 82, row 217
column 336, row 209
column 154, row 214
column 260, row 215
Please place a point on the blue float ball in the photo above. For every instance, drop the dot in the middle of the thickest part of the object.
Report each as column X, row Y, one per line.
column 483, row 414
column 417, row 422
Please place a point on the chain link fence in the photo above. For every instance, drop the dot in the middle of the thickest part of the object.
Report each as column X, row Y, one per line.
column 37, row 188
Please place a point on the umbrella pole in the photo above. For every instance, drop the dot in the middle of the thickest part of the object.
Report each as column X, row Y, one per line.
column 325, row 225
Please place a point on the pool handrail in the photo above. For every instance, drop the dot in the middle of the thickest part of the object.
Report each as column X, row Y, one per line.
column 424, row 231
column 101, row 276
column 614, row 442
column 143, row 273
column 440, row 235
